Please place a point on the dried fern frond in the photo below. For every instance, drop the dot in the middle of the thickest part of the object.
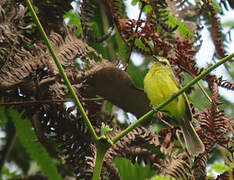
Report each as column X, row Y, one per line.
column 19, row 68
column 215, row 125
column 12, row 27
column 222, row 83
column 215, row 29
column 146, row 29
column 140, row 144
column 184, row 51
column 199, row 167
column 69, row 132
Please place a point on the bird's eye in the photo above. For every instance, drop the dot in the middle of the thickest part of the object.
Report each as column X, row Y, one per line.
column 164, row 63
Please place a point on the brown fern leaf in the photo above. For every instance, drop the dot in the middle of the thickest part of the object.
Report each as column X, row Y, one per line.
column 222, row 83
column 145, row 29
column 175, row 164
column 126, row 28
column 70, row 47
column 20, row 68
column 11, row 30
column 225, row 176
column 126, row 147
column 216, row 29
column 225, row 83
column 214, row 124
column 148, row 34
column 69, row 132
column 140, row 144
column 176, row 168
column 184, row 52
column 199, row 167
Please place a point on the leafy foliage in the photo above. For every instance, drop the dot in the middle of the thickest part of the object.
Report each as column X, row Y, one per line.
column 162, row 178
column 6, row 173
column 129, row 171
column 218, row 168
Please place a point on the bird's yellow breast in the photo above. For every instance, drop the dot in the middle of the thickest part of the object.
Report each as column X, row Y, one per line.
column 160, row 85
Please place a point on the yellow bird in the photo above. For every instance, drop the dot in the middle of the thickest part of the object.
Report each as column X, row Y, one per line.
column 160, row 84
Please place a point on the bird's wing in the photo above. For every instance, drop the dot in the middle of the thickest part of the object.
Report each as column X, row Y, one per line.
column 188, row 110
column 174, row 78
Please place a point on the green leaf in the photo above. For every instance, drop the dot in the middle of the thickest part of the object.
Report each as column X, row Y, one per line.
column 217, row 168
column 228, row 24
column 7, row 174
column 216, row 6
column 74, row 20
column 108, row 106
column 105, row 129
column 123, row 49
column 3, row 118
column 147, row 9
column 129, row 171
column 99, row 47
column 134, row 2
column 162, row 178
column 139, row 43
column 182, row 28
column 137, row 75
column 35, row 150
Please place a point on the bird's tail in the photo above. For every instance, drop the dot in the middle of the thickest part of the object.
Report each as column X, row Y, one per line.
column 192, row 140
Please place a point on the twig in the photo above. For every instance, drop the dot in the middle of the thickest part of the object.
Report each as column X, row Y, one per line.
column 46, row 101
column 203, row 90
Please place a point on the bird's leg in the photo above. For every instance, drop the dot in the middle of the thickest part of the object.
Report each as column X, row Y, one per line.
column 160, row 116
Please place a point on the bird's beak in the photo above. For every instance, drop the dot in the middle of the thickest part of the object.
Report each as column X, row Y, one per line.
column 155, row 58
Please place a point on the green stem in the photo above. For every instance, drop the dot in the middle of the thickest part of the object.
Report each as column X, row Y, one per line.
column 64, row 76
column 129, row 128
column 101, row 151
column 188, row 85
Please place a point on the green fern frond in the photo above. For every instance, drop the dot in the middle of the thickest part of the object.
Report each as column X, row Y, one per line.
column 35, row 150
column 182, row 28
column 216, row 6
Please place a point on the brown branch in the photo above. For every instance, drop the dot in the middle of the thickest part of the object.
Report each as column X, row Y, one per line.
column 46, row 101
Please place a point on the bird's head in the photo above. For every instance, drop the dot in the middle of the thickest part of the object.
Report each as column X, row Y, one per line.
column 160, row 62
